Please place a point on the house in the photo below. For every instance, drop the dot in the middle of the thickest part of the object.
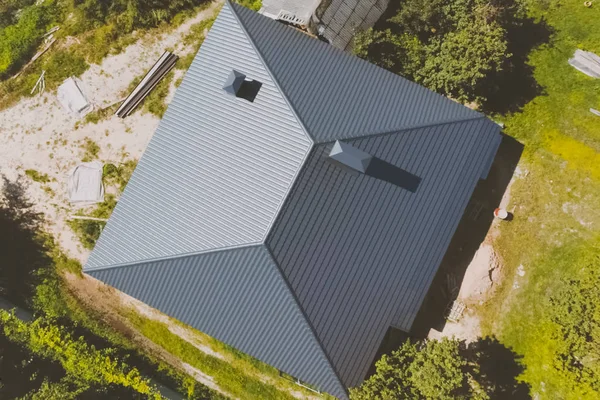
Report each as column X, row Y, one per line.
column 295, row 201
column 333, row 20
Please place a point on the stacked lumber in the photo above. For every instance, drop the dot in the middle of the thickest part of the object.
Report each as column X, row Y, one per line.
column 165, row 63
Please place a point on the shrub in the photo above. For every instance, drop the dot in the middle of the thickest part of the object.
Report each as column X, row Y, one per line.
column 155, row 103
column 18, row 41
column 61, row 64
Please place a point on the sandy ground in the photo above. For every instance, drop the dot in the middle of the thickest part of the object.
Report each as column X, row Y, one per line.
column 38, row 134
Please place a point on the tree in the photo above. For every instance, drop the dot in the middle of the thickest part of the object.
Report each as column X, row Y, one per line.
column 427, row 370
column 448, row 369
column 576, row 312
column 450, row 46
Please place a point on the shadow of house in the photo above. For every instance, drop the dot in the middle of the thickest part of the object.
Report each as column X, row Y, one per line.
column 471, row 232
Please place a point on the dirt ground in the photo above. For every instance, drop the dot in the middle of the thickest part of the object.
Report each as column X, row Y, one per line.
column 37, row 133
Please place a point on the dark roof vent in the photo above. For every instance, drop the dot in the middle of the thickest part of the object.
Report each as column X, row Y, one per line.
column 238, row 86
column 350, row 156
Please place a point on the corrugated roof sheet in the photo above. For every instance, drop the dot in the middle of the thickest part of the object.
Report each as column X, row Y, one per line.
column 339, row 96
column 218, row 167
column 347, row 254
column 237, row 296
column 359, row 252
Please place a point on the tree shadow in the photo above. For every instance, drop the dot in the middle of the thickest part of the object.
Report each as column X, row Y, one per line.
column 497, row 369
column 23, row 248
column 508, row 90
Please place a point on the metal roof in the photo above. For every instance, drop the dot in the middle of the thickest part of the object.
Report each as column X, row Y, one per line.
column 245, row 302
column 360, row 252
column 238, row 222
column 339, row 96
column 218, row 167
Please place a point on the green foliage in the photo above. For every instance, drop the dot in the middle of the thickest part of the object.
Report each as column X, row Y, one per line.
column 37, row 176
column 251, row 4
column 576, row 311
column 437, row 370
column 119, row 175
column 88, row 231
column 9, row 10
column 431, row 370
column 154, row 103
column 237, row 376
column 447, row 369
column 86, row 365
column 61, row 64
column 19, row 41
column 450, row 46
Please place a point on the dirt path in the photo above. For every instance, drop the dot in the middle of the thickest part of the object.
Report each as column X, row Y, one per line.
column 38, row 134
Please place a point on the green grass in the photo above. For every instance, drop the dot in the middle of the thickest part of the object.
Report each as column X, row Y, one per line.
column 37, row 176
column 239, row 374
column 88, row 231
column 556, row 197
column 155, row 103
column 90, row 150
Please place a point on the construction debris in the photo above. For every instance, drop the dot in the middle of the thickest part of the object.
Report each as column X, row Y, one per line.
column 40, row 84
column 85, row 183
column 165, row 63
column 35, row 57
column 586, row 62
column 72, row 97
column 51, row 31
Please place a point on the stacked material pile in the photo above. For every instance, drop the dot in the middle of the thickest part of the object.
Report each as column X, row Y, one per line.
column 165, row 63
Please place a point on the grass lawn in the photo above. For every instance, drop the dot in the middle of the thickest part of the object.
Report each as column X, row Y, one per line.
column 556, row 197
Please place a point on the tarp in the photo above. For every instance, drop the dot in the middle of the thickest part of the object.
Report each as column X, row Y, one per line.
column 85, row 183
column 72, row 97
column 586, row 62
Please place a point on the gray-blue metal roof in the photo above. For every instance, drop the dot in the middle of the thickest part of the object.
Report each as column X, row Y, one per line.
column 339, row 96
column 360, row 252
column 238, row 296
column 218, row 167
column 237, row 222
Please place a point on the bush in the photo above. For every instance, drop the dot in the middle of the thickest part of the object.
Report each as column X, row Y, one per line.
column 155, row 103
column 450, row 46
column 61, row 64
column 19, row 41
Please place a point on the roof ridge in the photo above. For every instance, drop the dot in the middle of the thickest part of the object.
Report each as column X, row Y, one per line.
column 313, row 143
column 172, row 257
column 301, row 309
column 410, row 128
column 232, row 6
